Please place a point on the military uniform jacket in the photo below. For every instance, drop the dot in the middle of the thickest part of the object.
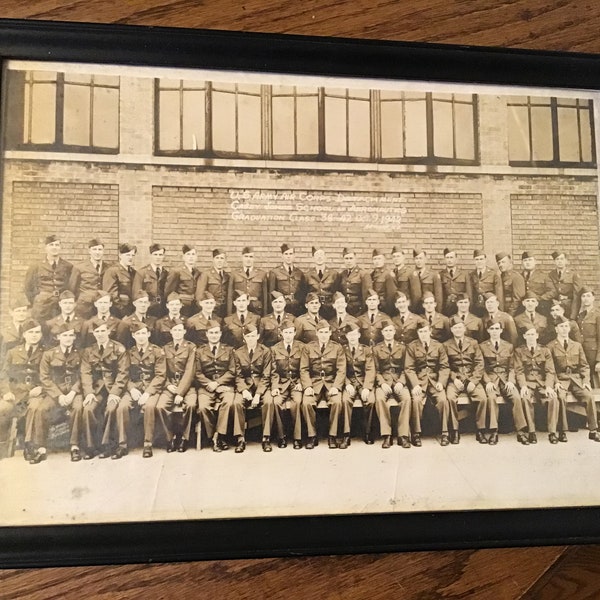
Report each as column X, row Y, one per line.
column 270, row 328
column 20, row 372
column 574, row 333
column 355, row 284
column 498, row 364
column 211, row 281
column 589, row 325
column 10, row 337
column 196, row 328
column 293, row 286
column 161, row 333
column 306, row 328
column 534, row 370
column 59, row 374
column 427, row 280
column 440, row 326
column 42, row 278
column 426, row 367
column 523, row 322
column 52, row 326
column 571, row 364
column 389, row 364
column 566, row 290
column 118, row 282
column 406, row 328
column 147, row 370
column 233, row 329
column 146, row 280
column 128, row 322
column 465, row 364
column 509, row 329
column 184, row 282
column 253, row 374
column 360, row 367
column 323, row 370
column 474, row 326
column 115, row 330
column 285, row 368
column 535, row 282
column 384, row 284
column 181, row 365
column 256, row 286
column 85, row 280
column 459, row 283
column 337, row 328
column 370, row 333
column 513, row 288
column 406, row 283
column 108, row 371
column 490, row 282
column 324, row 287
column 219, row 368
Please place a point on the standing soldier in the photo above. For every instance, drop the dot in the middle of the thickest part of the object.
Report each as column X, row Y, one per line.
column 184, row 280
column 215, row 380
column 215, row 281
column 46, row 279
column 285, row 383
column 354, row 283
column 289, row 280
column 118, row 281
column 455, row 282
column 572, row 375
column 535, row 280
column 152, row 279
column 513, row 284
column 66, row 304
column 534, row 370
column 403, row 279
column 141, row 306
column 251, row 281
column 563, row 283
column 390, row 382
column 235, row 324
column 500, row 382
column 405, row 322
column 198, row 324
column 252, row 382
column 341, row 319
column 483, row 281
column 383, row 282
column 86, row 279
column 493, row 313
column 473, row 324
column 426, row 280
column 426, row 368
column 104, row 374
column 322, row 375
column 588, row 320
column 307, row 324
column 270, row 326
column 102, row 304
column 360, row 384
column 11, row 334
column 322, row 281
column 370, row 323
column 439, row 324
column 162, row 327
column 531, row 318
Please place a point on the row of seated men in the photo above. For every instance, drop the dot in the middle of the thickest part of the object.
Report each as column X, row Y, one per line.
column 224, row 370
column 48, row 278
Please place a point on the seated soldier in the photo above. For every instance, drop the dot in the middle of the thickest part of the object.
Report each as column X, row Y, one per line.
column 370, row 321
column 493, row 313
column 252, row 379
column 572, row 375
column 390, row 382
column 66, row 304
column 536, row 377
column 499, row 381
column 104, row 375
column 20, row 379
column 426, row 368
column 557, row 310
column 307, row 323
column 360, row 383
column 531, row 318
column 147, row 377
column 473, row 324
column 270, row 326
column 162, row 327
column 141, row 304
column 466, row 370
column 178, row 396
column 322, row 375
column 197, row 324
column 102, row 304
column 285, row 382
column 234, row 325
column 438, row 323
column 341, row 319
column 61, row 396
column 405, row 321
column 215, row 380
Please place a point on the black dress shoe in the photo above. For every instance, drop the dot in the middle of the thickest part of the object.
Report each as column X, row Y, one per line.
column 282, row 443
column 553, row 438
column 368, row 440
column 183, row 444
column 147, row 452
column 444, row 440
column 120, row 452
column 89, row 453
column 562, row 437
column 106, row 453
column 37, row 458
column 416, row 440
column 28, row 453
column 266, row 446
column 310, row 444
column 387, row 441
column 480, row 437
column 241, row 446
column 297, row 444
column 455, row 437
column 332, row 443
column 493, row 439
column 532, row 437
column 594, row 436
column 522, row 438
column 404, row 441
column 217, row 447
column 344, row 443
column 75, row 455
column 172, row 446
column 223, row 444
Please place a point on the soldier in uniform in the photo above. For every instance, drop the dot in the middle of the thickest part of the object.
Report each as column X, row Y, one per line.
column 11, row 334
column 66, row 303
column 20, row 378
column 341, row 319
column 438, row 323
column 322, row 281
column 322, row 375
column 152, row 279
column 473, row 324
column 466, row 371
column 513, row 284
column 86, row 279
column 102, row 304
column 426, row 369
column 289, row 280
column 558, row 310
column 536, row 377
column 383, row 282
column 531, row 318
column 46, row 279
column 455, row 282
column 354, row 283
column 500, row 381
column 425, row 280
column 390, row 382
column 563, row 283
column 286, row 389
column 588, row 320
column 61, row 394
column 483, row 281
column 403, row 279
column 270, row 326
column 198, row 324
column 306, row 324
column 572, row 375
column 252, row 383
column 251, row 281
column 215, row 380
column 141, row 308
column 535, row 280
column 405, row 322
column 104, row 374
column 178, row 396
column 493, row 313
column 235, row 324
column 370, row 322
column 118, row 281
column 147, row 378
column 215, row 281
column 162, row 327
column 184, row 280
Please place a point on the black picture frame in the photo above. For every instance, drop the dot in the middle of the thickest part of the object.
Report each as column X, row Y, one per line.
column 235, row 538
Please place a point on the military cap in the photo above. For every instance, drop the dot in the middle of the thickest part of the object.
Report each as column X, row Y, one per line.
column 501, row 255
column 386, row 323
column 557, row 253
column 186, row 248
column 66, row 294
column 29, row 324
column 427, row 295
column 322, row 324
column 448, row 251
column 141, row 294
column 377, row 253
column 96, row 322
column 51, row 238
column 217, row 252
column 336, row 296
column 421, row 324
column 206, row 296
column 461, row 296
column 585, row 289
column 560, row 319
column 287, row 323
column 532, row 328
column 455, row 320
column 527, row 254
column 311, row 296
column 212, row 324
column 477, row 253
column 285, row 248
column 239, row 293
column 495, row 322
column 95, row 242
column 64, row 327
column 173, row 296
column 556, row 302
column 315, row 249
column 18, row 302
column 136, row 326
column 399, row 295
column 346, row 251
column 100, row 294
column 529, row 295
column 489, row 295
column 351, row 327
column 247, row 250
column 418, row 251
column 371, row 292
column 176, row 322
column 250, row 329
column 276, row 294
column 397, row 249
column 125, row 248
column 156, row 248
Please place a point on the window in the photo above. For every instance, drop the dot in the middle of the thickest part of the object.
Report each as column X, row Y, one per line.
column 550, row 132
column 63, row 112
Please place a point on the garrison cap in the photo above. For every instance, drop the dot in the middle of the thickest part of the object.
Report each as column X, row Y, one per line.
column 397, row 249
column 560, row 319
column 527, row 254
column 206, row 296
column 448, row 251
column 155, row 248
column 95, row 242
column 18, row 302
column 455, row 320
column 285, row 248
column 173, row 296
column 315, row 249
column 126, row 247
column 323, row 324
column 557, row 253
column 477, row 253
column 427, row 295
column 64, row 327
column 141, row 294
column 337, row 296
column 489, row 295
column 176, row 322
column 461, row 296
column 418, row 251
column 501, row 255
column 529, row 295
column 372, row 292
column 276, row 294
column 136, row 326
column 311, row 296
column 212, row 324
column 96, row 322
column 287, row 324
column 218, row 252
column 495, row 322
column 556, row 302
column 187, row 248
column 30, row 324
column 421, row 324
column 347, row 251
column 377, row 252
column 100, row 294
column 399, row 294
column 250, row 329
column 51, row 238
column 239, row 293
column 66, row 294
column 586, row 289
column 247, row 250
column 386, row 323
column 351, row 327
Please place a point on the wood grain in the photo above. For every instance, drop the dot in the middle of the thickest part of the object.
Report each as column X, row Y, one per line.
column 553, row 572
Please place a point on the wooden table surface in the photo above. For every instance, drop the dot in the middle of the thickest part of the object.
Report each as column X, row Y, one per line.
column 537, row 572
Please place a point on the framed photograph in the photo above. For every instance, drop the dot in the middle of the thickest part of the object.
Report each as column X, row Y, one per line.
column 154, row 179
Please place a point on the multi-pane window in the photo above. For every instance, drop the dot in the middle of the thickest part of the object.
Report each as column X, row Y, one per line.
column 63, row 111
column 550, row 131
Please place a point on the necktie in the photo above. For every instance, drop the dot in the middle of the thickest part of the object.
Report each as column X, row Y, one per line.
column 430, row 319
column 176, row 347
column 527, row 275
column 320, row 274
column 396, row 271
column 130, row 271
column 316, row 320
column 339, row 321
column 251, row 354
column 20, row 330
column 289, row 349
column 29, row 352
column 157, row 272
column 67, row 350
column 68, row 319
column 242, row 319
column 322, row 348
column 463, row 317
column 390, row 348
column 278, row 319
column 214, row 350
column 479, row 274
column 559, row 275
column 98, row 268
column 104, row 317
column 583, row 315
column 497, row 346
column 402, row 319
column 531, row 317
column 460, row 345
column 101, row 349
column 248, row 273
column 451, row 273
column 353, row 351
column 221, row 276
column 53, row 265
column 531, row 350
column 290, row 271
column 426, row 348
column 566, row 344
column 372, row 318
column 209, row 318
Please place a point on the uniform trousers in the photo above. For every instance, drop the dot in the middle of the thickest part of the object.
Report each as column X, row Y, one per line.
column 309, row 411
column 214, row 408
column 553, row 409
column 477, row 395
column 516, row 402
column 382, row 406
column 289, row 399
column 267, row 412
column 118, row 416
column 581, row 395
column 43, row 411
column 439, row 400
column 368, row 410
column 165, row 411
